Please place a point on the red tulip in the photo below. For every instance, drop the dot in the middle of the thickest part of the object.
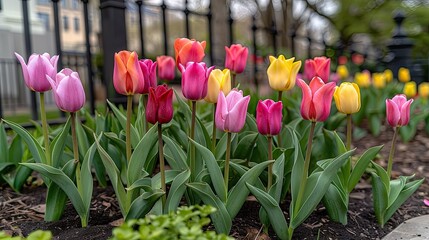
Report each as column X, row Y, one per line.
column 231, row 111
column 127, row 74
column 194, row 80
column 166, row 67
column 316, row 99
column 269, row 117
column 236, row 58
column 398, row 110
column 148, row 68
column 318, row 67
column 187, row 50
column 160, row 105
column 36, row 70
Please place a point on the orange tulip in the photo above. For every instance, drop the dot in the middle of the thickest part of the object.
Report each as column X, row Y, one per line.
column 127, row 74
column 188, row 50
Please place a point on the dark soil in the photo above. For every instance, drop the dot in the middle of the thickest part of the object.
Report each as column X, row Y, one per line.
column 22, row 213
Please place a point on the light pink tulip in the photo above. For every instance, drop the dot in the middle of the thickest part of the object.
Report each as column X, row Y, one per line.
column 269, row 117
column 194, row 80
column 398, row 110
column 166, row 68
column 149, row 74
column 36, row 70
column 236, row 58
column 318, row 67
column 231, row 111
column 68, row 90
column 316, row 99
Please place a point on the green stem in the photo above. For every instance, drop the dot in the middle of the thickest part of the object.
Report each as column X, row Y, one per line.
column 270, row 166
column 233, row 75
column 305, row 172
column 214, row 129
column 392, row 152
column 349, row 132
column 279, row 137
column 227, row 156
column 162, row 165
column 192, row 136
column 76, row 151
column 45, row 129
column 145, row 123
column 128, row 126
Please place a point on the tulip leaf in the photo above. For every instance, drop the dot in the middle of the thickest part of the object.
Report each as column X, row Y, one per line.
column 221, row 146
column 297, row 169
column 82, row 139
column 178, row 134
column 4, row 157
column 274, row 212
column 145, row 183
column 383, row 175
column 380, row 198
column 278, row 172
column 16, row 151
column 86, row 176
column 174, row 154
column 375, row 124
column 336, row 203
column 135, row 137
column 221, row 218
column 169, row 177
column 143, row 204
column 361, row 165
column 396, row 187
column 245, row 145
column 177, row 189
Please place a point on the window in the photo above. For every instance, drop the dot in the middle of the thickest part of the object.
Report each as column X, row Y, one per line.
column 76, row 24
column 44, row 17
column 75, row 4
column 66, row 23
column 43, row 2
column 64, row 3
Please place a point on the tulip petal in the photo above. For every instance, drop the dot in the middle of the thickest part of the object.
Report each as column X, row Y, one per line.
column 322, row 101
column 24, row 70
column 221, row 112
column 233, row 98
column 165, row 106
column 392, row 113
column 237, row 115
column 262, row 116
column 405, row 113
column 276, row 117
column 306, row 99
column 152, row 107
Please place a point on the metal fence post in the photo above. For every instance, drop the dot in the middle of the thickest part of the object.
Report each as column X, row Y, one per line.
column 140, row 4
column 231, row 22
column 210, row 25
column 57, row 33
column 255, row 53
column 164, row 26
column 274, row 36
column 186, row 11
column 90, row 73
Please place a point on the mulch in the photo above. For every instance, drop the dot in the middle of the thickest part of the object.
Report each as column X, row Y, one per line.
column 22, row 213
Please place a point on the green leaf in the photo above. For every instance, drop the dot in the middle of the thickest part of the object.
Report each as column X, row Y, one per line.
column 82, row 139
column 380, row 198
column 375, row 124
column 361, row 166
column 58, row 144
column 135, row 137
column 86, row 176
column 221, row 218
column 383, row 175
column 297, row 169
column 144, row 182
column 177, row 189
column 4, row 157
column 275, row 213
column 169, row 176
column 40, row 235
column 396, row 187
column 16, row 150
column 336, row 203
column 143, row 204
column 174, row 154
column 245, row 146
column 278, row 173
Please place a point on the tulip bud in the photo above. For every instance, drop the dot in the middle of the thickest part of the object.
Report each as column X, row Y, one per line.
column 166, row 68
column 282, row 73
column 218, row 81
column 342, row 71
column 363, row 79
column 160, row 105
column 187, row 50
column 236, row 58
column 318, row 67
column 231, row 111
column 424, row 90
column 389, row 75
column 410, row 89
column 269, row 117
column 127, row 74
column 36, row 70
column 378, row 80
column 194, row 80
column 347, row 98
column 404, row 75
column 398, row 110
column 68, row 90
column 148, row 68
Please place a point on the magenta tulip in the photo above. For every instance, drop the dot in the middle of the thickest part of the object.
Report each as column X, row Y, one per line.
column 269, row 117
column 148, row 68
column 318, row 67
column 398, row 110
column 316, row 99
column 160, row 105
column 236, row 58
column 68, row 90
column 36, row 70
column 231, row 111
column 166, row 67
column 194, row 80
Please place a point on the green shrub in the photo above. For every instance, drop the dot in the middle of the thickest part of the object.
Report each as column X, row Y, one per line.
column 36, row 235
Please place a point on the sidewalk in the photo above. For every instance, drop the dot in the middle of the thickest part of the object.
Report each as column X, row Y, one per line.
column 416, row 228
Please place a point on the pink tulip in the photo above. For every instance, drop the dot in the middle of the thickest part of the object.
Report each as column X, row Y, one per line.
column 148, row 68
column 160, row 105
column 318, row 67
column 316, row 99
column 38, row 67
column 269, row 117
column 166, row 67
column 398, row 110
column 231, row 111
column 127, row 74
column 236, row 58
column 68, row 90
column 194, row 80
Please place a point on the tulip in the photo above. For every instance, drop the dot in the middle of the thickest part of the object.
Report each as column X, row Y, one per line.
column 160, row 105
column 316, row 99
column 342, row 71
column 318, row 67
column 282, row 73
column 363, row 79
column 404, row 75
column 187, row 50
column 166, row 68
column 194, row 80
column 347, row 98
column 378, row 80
column 398, row 110
column 357, row 58
column 231, row 111
column 389, row 75
column 236, row 58
column 68, row 90
column 36, row 70
column 127, row 74
column 269, row 117
column 424, row 90
column 410, row 89
column 219, row 80
column 342, row 60
column 148, row 68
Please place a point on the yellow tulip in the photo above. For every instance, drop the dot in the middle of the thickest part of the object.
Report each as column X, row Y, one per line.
column 347, row 98
column 404, row 75
column 282, row 73
column 342, row 71
column 388, row 74
column 378, row 80
column 218, row 81
column 410, row 89
column 363, row 79
column 424, row 90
